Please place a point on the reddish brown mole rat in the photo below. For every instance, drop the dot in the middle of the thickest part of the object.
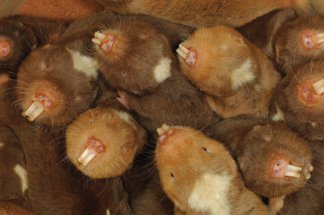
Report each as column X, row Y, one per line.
column 237, row 77
column 206, row 13
column 200, row 176
column 299, row 101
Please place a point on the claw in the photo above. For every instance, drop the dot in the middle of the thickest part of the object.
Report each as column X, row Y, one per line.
column 33, row 111
column 319, row 87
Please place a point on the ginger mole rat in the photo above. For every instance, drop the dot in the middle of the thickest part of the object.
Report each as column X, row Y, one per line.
column 237, row 77
column 102, row 142
column 200, row 176
column 154, row 88
column 206, row 13
column 299, row 101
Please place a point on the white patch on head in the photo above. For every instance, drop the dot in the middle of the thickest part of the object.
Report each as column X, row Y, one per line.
column 163, row 70
column 84, row 64
column 279, row 116
column 210, row 194
column 125, row 117
column 242, row 75
column 107, row 212
column 2, row 145
column 22, row 173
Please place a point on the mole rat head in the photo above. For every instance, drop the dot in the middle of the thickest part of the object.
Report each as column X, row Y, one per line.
column 55, row 85
column 223, row 60
column 192, row 167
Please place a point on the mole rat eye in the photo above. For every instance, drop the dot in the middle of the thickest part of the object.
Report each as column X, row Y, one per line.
column 205, row 149
column 172, row 175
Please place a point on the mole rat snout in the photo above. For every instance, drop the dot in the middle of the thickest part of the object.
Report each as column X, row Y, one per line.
column 311, row 93
column 94, row 147
column 5, row 47
column 165, row 132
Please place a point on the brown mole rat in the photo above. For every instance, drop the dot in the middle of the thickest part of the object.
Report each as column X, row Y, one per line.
column 200, row 176
column 143, row 68
column 273, row 160
column 207, row 13
column 289, row 40
column 299, row 100
column 236, row 75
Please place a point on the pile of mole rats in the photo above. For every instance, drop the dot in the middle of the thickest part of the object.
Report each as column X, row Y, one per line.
column 164, row 107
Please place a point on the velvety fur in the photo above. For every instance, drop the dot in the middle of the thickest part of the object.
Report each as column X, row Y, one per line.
column 208, row 13
column 304, row 115
column 257, row 145
column 236, row 75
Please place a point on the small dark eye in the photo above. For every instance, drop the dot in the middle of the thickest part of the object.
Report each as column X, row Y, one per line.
column 205, row 149
column 172, row 175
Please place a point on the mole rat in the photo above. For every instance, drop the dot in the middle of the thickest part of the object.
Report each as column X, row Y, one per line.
column 274, row 161
column 149, row 82
column 58, row 81
column 299, row 101
column 19, row 35
column 102, row 142
column 237, row 77
column 200, row 176
column 8, row 208
column 210, row 12
column 312, row 192
column 290, row 40
column 13, row 175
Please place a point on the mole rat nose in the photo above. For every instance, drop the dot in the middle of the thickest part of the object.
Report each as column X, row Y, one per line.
column 4, row 48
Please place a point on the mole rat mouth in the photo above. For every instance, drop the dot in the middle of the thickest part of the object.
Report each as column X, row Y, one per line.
column 93, row 148
column 40, row 103
column 310, row 93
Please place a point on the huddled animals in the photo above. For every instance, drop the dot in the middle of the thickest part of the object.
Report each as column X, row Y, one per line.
column 164, row 107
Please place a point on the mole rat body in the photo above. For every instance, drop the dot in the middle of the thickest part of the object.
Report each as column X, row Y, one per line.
column 274, row 161
column 19, row 35
column 13, row 175
column 148, row 75
column 298, row 101
column 208, row 13
column 200, row 176
column 236, row 75
column 290, row 40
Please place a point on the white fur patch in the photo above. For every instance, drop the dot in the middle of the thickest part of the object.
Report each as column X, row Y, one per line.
column 279, row 116
column 126, row 117
column 163, row 70
column 84, row 64
column 22, row 173
column 107, row 212
column 242, row 75
column 2, row 145
column 210, row 194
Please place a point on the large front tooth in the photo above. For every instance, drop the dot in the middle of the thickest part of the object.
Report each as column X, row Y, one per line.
column 294, row 168
column 96, row 41
column 181, row 53
column 184, row 49
column 86, row 157
column 292, row 174
column 34, row 110
column 319, row 86
column 100, row 35
column 163, row 129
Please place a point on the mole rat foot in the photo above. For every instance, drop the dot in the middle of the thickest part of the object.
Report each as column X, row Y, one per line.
column 93, row 148
column 5, row 47
column 312, row 39
column 189, row 56
column 38, row 106
column 104, row 41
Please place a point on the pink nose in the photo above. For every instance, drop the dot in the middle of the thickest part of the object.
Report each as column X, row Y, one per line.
column 4, row 48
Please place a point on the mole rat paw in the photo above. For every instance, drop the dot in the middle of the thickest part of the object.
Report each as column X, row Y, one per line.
column 313, row 40
column 104, row 41
column 5, row 47
column 189, row 56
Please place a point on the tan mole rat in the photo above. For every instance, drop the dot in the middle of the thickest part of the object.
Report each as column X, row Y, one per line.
column 236, row 75
column 210, row 12
column 299, row 101
column 200, row 176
